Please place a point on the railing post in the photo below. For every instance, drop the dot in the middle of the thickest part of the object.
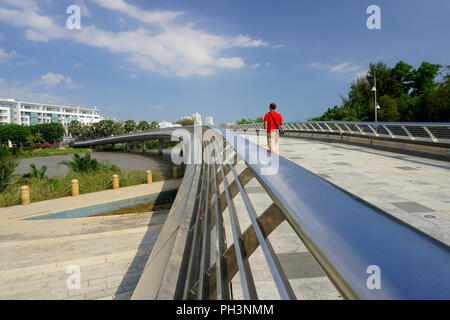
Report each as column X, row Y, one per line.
column 175, row 172
column 160, row 147
column 115, row 181
column 75, row 188
column 24, row 195
column 149, row 178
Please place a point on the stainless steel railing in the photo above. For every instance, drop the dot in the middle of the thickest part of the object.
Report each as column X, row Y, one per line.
column 347, row 236
column 409, row 131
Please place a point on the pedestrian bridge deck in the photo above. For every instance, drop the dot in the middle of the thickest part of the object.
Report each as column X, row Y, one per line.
column 413, row 189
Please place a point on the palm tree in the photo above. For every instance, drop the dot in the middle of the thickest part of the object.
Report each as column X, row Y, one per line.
column 143, row 126
column 75, row 128
column 129, row 126
column 35, row 172
column 6, row 172
column 82, row 164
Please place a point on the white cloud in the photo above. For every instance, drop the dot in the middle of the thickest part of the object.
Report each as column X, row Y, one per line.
column 134, row 76
column 267, row 64
column 152, row 17
column 162, row 46
column 256, row 65
column 5, row 56
column 26, row 92
column 345, row 67
column 316, row 65
column 51, row 79
column 79, row 66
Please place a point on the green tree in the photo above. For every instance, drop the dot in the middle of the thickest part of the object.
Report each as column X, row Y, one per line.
column 74, row 128
column 186, row 122
column 82, row 164
column 50, row 132
column 423, row 78
column 6, row 172
column 15, row 133
column 143, row 126
column 129, row 126
column 405, row 94
column 389, row 110
column 35, row 172
column 154, row 125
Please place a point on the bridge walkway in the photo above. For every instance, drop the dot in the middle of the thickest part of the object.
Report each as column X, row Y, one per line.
column 413, row 189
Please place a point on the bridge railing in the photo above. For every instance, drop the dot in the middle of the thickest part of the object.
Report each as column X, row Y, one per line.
column 408, row 131
column 347, row 236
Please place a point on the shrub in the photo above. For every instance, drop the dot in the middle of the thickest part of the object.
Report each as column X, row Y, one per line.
column 6, row 173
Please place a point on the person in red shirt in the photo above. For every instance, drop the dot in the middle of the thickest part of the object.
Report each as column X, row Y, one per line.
column 273, row 136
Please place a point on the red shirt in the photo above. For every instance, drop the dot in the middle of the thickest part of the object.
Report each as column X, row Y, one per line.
column 270, row 124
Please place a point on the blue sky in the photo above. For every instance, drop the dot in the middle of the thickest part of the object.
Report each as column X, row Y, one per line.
column 161, row 60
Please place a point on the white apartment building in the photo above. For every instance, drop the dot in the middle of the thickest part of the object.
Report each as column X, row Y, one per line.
column 197, row 119
column 209, row 120
column 165, row 124
column 29, row 113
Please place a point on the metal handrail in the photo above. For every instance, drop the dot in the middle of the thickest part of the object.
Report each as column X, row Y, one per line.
column 345, row 234
column 409, row 131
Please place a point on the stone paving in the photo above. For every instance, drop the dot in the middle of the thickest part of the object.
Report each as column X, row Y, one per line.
column 110, row 251
column 414, row 189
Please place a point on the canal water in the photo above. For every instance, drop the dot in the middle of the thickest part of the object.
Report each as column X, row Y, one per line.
column 149, row 160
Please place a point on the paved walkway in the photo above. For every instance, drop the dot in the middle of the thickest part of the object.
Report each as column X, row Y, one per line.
column 413, row 189
column 110, row 251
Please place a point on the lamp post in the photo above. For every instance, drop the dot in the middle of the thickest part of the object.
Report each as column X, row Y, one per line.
column 374, row 89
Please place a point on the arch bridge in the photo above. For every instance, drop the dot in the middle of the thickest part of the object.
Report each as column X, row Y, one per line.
column 352, row 240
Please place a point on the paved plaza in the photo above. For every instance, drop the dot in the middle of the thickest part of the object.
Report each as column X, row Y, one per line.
column 111, row 251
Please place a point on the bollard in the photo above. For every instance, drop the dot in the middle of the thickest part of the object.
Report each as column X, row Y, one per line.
column 149, row 177
column 175, row 172
column 115, row 181
column 24, row 195
column 75, row 187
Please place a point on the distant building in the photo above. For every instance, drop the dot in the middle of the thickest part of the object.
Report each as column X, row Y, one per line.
column 29, row 113
column 197, row 119
column 209, row 120
column 165, row 124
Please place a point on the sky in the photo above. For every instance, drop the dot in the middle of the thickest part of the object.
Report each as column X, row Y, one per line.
column 162, row 60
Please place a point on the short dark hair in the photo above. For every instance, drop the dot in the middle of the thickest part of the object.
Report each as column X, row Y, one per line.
column 273, row 106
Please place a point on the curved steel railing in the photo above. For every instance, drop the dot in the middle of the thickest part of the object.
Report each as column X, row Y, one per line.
column 347, row 236
column 408, row 131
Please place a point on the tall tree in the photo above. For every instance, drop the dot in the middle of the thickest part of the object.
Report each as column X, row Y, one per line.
column 129, row 126
column 75, row 128
column 143, row 126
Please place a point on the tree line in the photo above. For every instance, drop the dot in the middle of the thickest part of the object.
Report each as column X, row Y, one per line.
column 22, row 135
column 404, row 94
column 106, row 128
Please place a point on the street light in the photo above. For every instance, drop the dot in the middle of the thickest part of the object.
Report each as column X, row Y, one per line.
column 374, row 89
